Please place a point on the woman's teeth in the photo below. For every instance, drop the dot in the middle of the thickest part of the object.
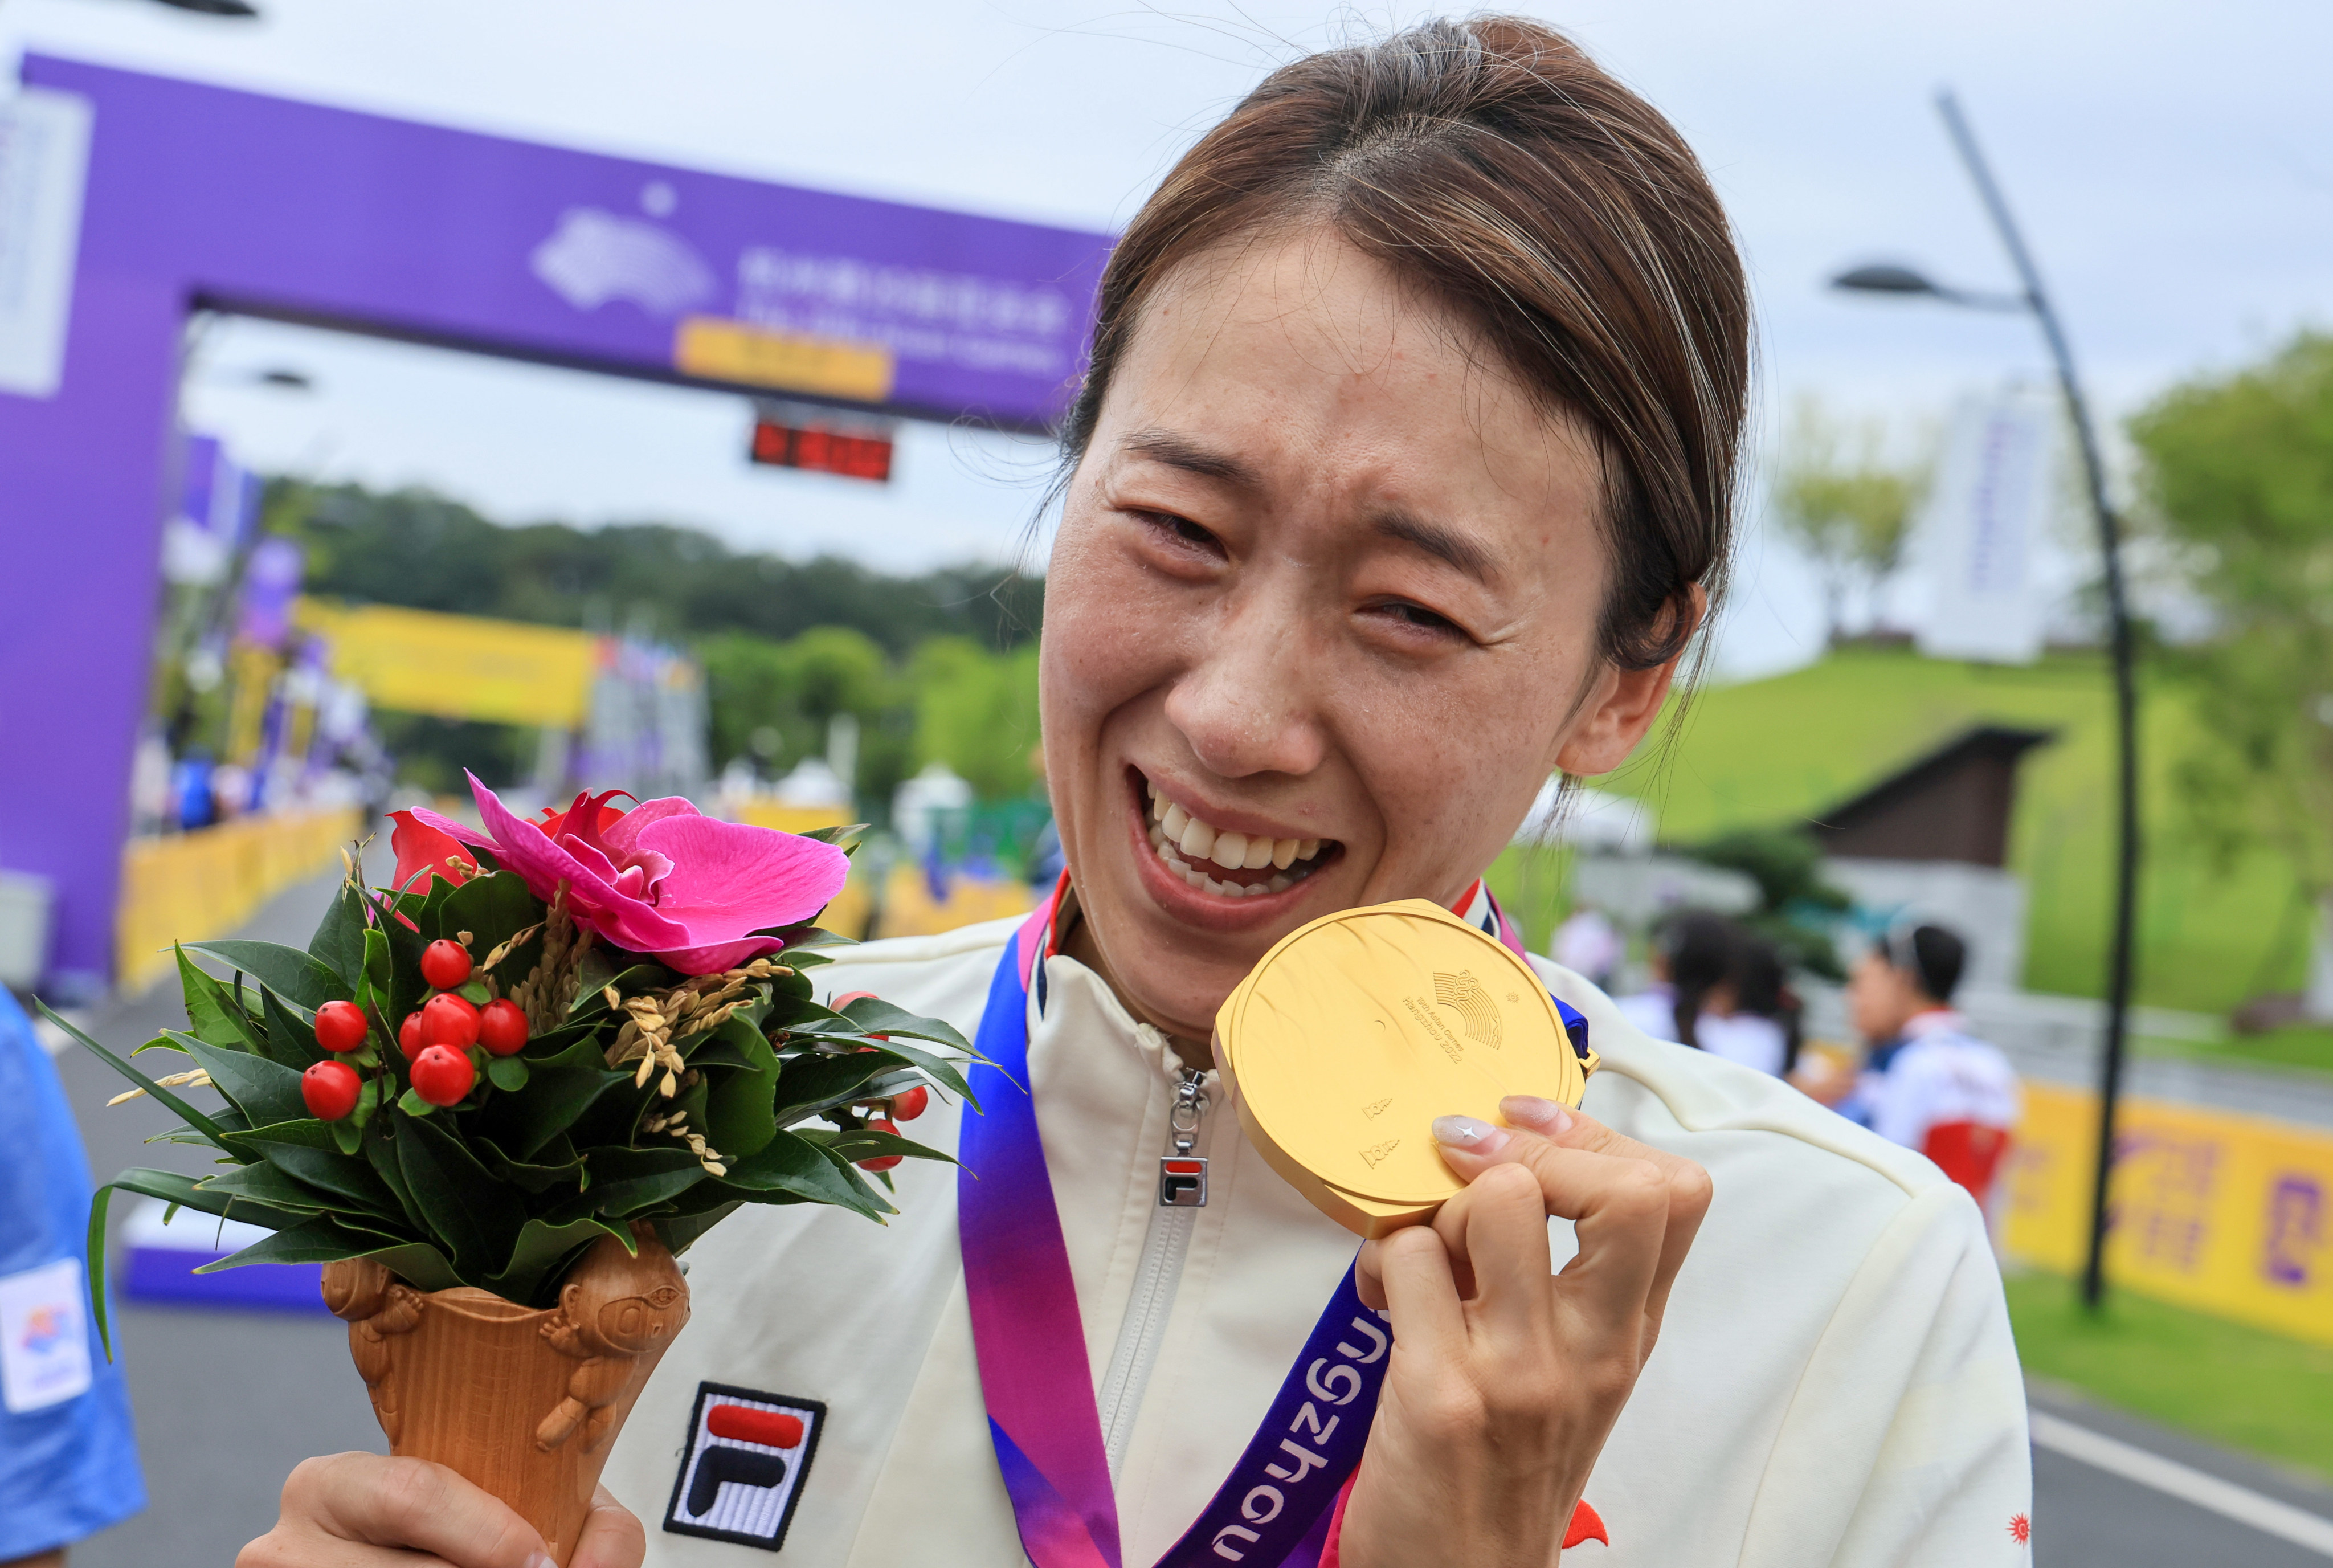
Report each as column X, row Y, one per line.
column 1181, row 839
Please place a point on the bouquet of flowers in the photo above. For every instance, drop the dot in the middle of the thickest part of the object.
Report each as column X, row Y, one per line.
column 589, row 1036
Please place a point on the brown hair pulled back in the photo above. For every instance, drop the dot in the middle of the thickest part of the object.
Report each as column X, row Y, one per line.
column 1491, row 162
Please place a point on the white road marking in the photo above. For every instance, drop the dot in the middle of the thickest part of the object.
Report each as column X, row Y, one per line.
column 2189, row 1485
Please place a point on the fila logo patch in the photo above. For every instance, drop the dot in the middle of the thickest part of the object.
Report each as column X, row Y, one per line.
column 742, row 1470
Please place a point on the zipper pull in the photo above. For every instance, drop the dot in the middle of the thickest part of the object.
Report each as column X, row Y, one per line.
column 1183, row 1175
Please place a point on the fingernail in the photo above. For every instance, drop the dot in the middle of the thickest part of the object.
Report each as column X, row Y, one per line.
column 1465, row 1132
column 1538, row 1115
column 542, row 1560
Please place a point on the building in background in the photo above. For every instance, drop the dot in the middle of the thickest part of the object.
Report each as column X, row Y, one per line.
column 1930, row 840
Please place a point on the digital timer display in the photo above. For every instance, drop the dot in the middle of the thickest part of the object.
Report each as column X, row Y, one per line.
column 822, row 448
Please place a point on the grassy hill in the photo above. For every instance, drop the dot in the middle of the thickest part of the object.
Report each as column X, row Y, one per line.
column 1780, row 750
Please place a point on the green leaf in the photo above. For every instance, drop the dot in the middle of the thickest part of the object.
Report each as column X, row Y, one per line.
column 568, row 1046
column 348, row 1134
column 493, row 910
column 262, row 1089
column 413, row 1105
column 877, row 1016
column 856, row 1143
column 380, row 974
column 626, row 1181
column 290, row 1039
column 542, row 1255
column 506, row 1072
column 380, row 1153
column 339, row 943
column 99, row 1201
column 417, row 1264
column 351, row 1181
column 175, row 1187
column 817, row 1080
column 300, row 979
column 195, row 1119
column 555, row 1099
column 319, row 1240
column 843, row 838
column 212, row 1014
column 303, row 1129
column 265, row 1184
column 592, row 978
column 539, row 1177
column 476, row 1216
column 738, row 1114
column 943, row 1071
column 791, row 1163
column 592, row 983
column 680, row 1231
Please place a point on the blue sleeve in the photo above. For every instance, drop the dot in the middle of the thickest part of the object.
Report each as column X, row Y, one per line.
column 68, row 1467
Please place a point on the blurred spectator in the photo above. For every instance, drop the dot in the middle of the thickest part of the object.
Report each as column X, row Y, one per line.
column 1692, row 964
column 1718, row 988
column 1588, row 945
column 67, row 1462
column 1760, row 1029
column 1928, row 1084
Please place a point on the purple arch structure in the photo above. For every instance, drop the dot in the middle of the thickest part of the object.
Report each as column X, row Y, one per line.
column 196, row 196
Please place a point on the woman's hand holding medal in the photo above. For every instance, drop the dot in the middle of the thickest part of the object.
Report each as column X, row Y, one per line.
column 1506, row 1378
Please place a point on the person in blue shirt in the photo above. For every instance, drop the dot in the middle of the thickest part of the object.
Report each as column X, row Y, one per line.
column 67, row 1458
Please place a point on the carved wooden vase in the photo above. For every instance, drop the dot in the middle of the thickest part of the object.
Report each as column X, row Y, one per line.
column 527, row 1403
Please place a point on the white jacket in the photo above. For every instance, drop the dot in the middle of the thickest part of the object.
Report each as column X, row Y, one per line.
column 1836, row 1382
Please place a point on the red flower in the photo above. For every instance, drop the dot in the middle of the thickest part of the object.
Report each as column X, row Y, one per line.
column 425, row 853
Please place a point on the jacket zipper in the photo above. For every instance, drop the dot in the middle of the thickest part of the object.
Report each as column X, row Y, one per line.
column 1165, row 1246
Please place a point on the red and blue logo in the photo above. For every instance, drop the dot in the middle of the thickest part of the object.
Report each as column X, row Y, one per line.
column 742, row 1472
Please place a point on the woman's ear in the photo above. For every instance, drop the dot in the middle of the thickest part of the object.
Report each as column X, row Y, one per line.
column 1622, row 704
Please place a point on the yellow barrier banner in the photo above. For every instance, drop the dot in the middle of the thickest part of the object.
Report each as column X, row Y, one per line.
column 2225, row 1212
column 458, row 665
column 910, row 910
column 207, row 883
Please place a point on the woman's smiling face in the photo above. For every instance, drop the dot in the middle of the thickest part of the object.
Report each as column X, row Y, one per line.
column 1320, row 617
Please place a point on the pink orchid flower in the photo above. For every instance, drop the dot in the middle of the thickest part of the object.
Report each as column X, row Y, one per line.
column 686, row 889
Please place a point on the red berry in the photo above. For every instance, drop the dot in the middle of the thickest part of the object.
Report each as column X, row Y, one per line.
column 881, row 1161
column 449, row 1020
column 441, row 1076
column 502, row 1027
column 444, row 963
column 408, row 1036
column 340, row 1026
column 909, row 1106
column 330, row 1090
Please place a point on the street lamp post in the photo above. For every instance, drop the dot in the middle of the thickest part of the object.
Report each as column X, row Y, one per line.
column 2035, row 300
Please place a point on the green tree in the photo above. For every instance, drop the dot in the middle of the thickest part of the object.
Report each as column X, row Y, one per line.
column 2236, row 474
column 1844, row 504
column 771, row 702
column 977, row 711
column 420, row 550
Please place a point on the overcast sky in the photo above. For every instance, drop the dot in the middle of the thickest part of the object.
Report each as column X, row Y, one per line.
column 2172, row 163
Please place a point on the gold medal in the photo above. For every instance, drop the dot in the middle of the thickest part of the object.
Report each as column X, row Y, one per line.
column 1355, row 1032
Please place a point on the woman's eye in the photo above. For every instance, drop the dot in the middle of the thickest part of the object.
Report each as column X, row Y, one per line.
column 1417, row 616
column 1182, row 530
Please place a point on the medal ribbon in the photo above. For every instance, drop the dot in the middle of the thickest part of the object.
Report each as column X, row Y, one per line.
column 1275, row 1507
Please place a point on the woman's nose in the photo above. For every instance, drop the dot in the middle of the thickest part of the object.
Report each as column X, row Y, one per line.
column 1244, row 704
